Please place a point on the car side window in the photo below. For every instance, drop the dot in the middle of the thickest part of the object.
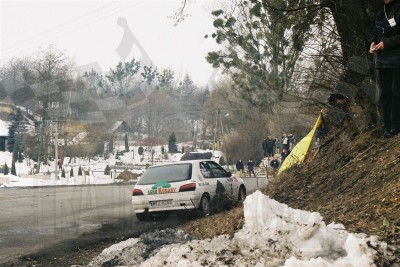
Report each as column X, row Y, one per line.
column 205, row 170
column 217, row 170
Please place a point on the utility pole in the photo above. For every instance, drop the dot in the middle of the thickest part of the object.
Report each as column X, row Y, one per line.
column 56, row 151
column 215, row 130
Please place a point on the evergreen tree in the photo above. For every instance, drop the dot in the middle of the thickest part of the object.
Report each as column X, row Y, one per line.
column 16, row 128
column 126, row 143
column 10, row 139
column 80, row 171
column 172, row 148
column 111, row 145
column 15, row 149
column 13, row 170
column 5, row 169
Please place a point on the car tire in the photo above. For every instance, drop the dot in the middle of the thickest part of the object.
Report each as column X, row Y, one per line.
column 242, row 194
column 142, row 217
column 205, row 206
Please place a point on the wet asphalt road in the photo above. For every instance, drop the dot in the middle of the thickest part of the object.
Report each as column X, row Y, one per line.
column 47, row 219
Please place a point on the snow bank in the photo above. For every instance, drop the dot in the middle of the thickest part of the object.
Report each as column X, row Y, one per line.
column 301, row 235
column 273, row 235
column 134, row 250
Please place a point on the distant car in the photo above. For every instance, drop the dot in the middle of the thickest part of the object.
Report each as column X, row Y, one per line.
column 184, row 185
column 196, row 155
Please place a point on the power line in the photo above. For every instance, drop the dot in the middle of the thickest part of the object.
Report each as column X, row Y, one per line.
column 75, row 24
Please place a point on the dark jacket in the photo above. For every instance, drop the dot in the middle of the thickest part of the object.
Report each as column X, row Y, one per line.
column 390, row 56
column 275, row 163
column 270, row 144
column 264, row 144
column 250, row 165
column 239, row 165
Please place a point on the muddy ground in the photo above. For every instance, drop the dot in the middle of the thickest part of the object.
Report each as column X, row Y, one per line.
column 82, row 250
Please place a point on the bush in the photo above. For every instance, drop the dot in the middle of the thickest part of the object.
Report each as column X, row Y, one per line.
column 140, row 150
column 107, row 170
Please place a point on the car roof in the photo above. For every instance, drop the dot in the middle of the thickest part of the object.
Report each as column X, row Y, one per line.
column 180, row 162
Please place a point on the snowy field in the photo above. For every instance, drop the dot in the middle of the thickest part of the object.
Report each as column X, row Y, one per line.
column 130, row 161
column 273, row 235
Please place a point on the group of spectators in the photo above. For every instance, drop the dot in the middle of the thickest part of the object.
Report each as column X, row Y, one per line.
column 250, row 167
column 271, row 147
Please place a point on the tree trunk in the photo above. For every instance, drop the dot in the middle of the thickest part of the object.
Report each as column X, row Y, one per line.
column 354, row 21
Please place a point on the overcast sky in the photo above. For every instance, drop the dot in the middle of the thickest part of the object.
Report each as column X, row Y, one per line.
column 88, row 31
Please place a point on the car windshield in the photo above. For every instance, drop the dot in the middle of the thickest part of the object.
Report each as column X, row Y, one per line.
column 168, row 173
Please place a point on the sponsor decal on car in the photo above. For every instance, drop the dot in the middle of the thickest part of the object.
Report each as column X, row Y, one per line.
column 161, row 187
column 220, row 188
column 204, row 184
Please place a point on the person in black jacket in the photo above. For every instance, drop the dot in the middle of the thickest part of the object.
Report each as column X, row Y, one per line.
column 385, row 45
column 239, row 166
column 250, row 167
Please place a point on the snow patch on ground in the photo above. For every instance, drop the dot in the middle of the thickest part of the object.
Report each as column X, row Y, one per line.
column 273, row 235
column 135, row 250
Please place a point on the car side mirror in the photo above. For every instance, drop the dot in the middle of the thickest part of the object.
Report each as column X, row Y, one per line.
column 230, row 174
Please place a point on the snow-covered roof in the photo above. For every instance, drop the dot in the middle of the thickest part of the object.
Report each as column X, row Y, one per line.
column 121, row 127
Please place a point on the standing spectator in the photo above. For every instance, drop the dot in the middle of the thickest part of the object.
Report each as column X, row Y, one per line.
column 274, row 165
column 239, row 166
column 285, row 142
column 264, row 146
column 385, row 45
column 270, row 146
column 250, row 167
column 291, row 141
column 277, row 146
column 59, row 163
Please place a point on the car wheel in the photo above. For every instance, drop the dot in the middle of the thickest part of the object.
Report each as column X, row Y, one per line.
column 242, row 194
column 142, row 216
column 204, row 206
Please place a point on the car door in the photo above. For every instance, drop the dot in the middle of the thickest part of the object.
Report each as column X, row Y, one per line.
column 220, row 181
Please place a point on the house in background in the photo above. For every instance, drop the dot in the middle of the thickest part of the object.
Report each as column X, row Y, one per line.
column 120, row 128
column 3, row 134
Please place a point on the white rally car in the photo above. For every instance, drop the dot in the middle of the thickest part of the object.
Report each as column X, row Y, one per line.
column 184, row 185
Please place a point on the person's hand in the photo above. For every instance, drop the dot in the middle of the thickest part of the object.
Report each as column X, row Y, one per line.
column 372, row 48
column 379, row 47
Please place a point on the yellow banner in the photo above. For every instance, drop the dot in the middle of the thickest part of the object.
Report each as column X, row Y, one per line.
column 299, row 152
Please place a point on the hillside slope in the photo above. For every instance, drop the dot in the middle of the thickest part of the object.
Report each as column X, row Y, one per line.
column 353, row 179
